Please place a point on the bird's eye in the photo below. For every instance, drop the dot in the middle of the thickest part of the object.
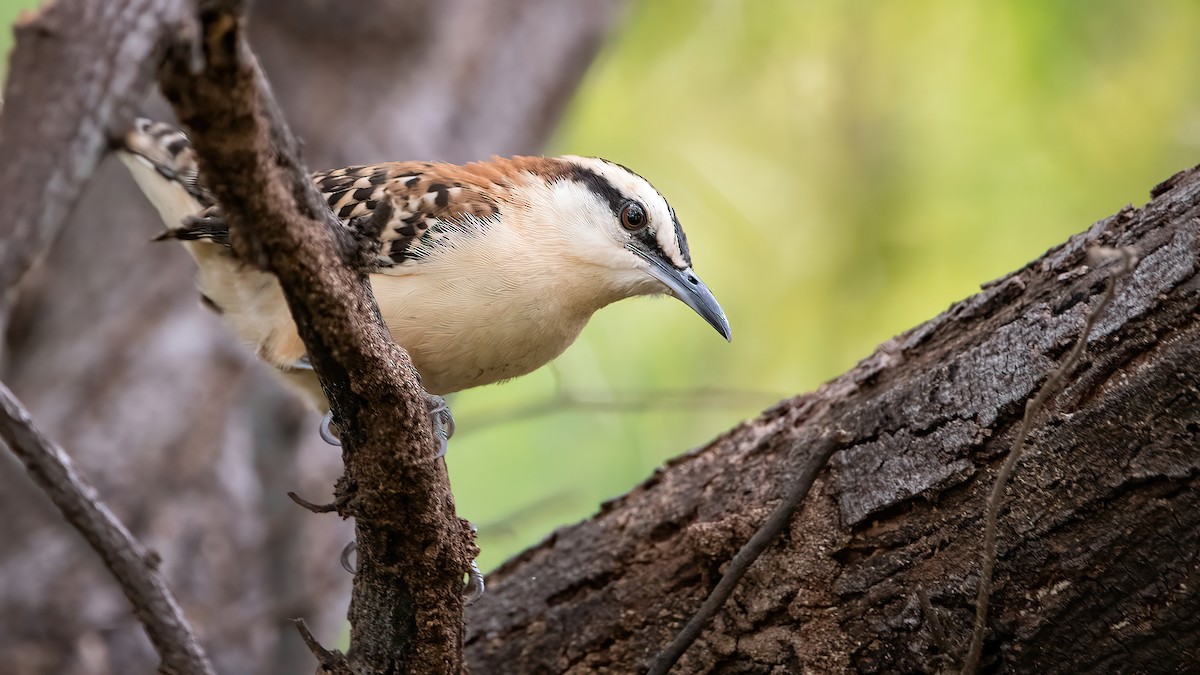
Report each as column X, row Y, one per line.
column 633, row 216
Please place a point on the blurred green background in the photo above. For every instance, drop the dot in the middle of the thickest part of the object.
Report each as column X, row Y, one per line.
column 844, row 170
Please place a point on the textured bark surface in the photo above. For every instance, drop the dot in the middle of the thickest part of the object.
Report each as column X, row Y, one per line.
column 406, row 604
column 1098, row 568
column 193, row 444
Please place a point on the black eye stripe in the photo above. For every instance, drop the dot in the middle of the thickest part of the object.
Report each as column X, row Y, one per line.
column 681, row 239
column 610, row 195
column 599, row 186
column 648, row 240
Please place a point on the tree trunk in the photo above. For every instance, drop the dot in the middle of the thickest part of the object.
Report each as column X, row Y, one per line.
column 1098, row 538
column 189, row 440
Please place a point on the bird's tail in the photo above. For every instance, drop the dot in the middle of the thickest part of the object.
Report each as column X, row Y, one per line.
column 164, row 166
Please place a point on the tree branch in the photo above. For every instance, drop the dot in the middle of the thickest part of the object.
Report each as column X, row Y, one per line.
column 73, row 113
column 814, row 462
column 1033, row 408
column 1096, row 540
column 331, row 662
column 564, row 400
column 406, row 611
column 135, row 569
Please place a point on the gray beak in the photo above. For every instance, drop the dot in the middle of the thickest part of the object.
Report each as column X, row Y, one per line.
column 686, row 286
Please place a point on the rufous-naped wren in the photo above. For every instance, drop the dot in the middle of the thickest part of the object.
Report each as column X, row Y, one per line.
column 484, row 271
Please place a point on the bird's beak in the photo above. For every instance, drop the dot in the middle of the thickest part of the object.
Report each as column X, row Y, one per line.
column 686, row 286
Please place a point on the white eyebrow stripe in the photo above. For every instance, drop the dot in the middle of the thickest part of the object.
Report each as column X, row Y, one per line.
column 668, row 233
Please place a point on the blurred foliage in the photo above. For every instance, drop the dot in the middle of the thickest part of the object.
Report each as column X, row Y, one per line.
column 9, row 10
column 845, row 170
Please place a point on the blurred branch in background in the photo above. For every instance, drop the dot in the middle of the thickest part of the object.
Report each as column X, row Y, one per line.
column 135, row 569
column 565, row 400
column 509, row 526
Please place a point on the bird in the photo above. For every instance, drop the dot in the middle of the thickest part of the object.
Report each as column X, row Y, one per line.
column 482, row 272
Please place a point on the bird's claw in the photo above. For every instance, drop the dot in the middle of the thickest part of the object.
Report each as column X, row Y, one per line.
column 439, row 413
column 443, row 422
column 327, row 434
column 473, row 590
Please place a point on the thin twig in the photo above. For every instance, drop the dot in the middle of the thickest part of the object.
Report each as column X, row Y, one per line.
column 134, row 569
column 1032, row 408
column 650, row 401
column 935, row 621
column 741, row 562
column 330, row 661
column 315, row 508
column 945, row 659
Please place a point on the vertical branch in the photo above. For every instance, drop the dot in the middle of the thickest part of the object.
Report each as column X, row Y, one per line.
column 406, row 611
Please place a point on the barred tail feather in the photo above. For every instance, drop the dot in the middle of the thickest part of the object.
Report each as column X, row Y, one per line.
column 163, row 164
column 174, row 202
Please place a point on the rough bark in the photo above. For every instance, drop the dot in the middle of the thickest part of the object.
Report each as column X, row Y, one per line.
column 192, row 443
column 406, row 607
column 1097, row 568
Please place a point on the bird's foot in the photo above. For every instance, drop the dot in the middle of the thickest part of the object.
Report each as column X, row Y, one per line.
column 473, row 590
column 327, row 434
column 443, row 422
column 439, row 413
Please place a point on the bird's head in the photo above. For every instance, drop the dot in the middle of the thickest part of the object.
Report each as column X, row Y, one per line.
column 619, row 222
